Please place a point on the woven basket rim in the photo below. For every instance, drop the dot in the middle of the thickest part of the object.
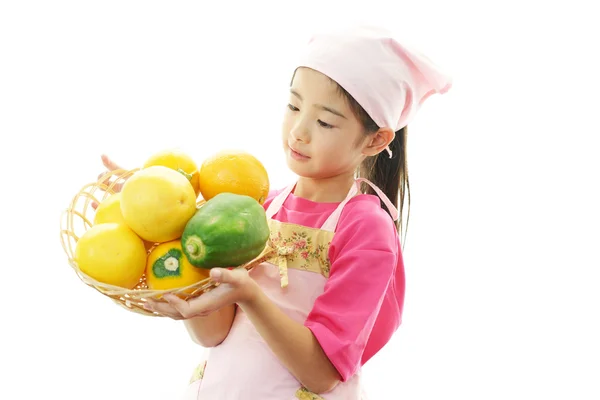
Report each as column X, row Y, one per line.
column 132, row 299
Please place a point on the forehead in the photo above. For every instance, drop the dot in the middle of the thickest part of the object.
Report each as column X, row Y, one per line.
column 313, row 84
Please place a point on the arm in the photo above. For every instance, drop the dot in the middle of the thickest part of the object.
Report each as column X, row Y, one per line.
column 354, row 315
column 207, row 328
column 329, row 346
column 211, row 330
column 293, row 344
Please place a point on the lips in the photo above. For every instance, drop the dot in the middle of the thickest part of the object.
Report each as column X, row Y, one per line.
column 297, row 152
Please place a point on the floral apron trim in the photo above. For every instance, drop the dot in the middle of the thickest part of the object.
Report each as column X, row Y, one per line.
column 304, row 394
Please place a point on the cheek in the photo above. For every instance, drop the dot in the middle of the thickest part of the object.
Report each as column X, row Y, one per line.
column 339, row 146
column 285, row 126
column 330, row 143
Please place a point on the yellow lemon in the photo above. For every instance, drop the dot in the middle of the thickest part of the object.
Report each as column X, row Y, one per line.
column 157, row 203
column 111, row 253
column 109, row 210
column 178, row 161
column 235, row 172
column 168, row 268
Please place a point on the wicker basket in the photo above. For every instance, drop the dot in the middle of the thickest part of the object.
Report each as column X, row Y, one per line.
column 77, row 219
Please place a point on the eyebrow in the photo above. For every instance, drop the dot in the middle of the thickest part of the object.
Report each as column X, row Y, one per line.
column 322, row 107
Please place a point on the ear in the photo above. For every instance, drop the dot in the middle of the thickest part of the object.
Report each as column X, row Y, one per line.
column 378, row 141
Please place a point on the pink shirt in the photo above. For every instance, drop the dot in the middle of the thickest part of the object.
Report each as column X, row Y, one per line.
column 361, row 306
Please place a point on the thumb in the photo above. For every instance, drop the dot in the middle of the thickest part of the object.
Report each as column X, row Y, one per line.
column 224, row 275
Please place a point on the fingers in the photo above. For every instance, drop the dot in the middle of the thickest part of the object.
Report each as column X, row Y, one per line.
column 182, row 306
column 234, row 277
column 101, row 175
column 163, row 308
column 116, row 187
column 109, row 164
column 177, row 308
column 104, row 177
column 208, row 302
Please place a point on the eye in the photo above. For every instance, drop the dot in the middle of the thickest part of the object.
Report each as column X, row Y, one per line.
column 291, row 107
column 325, row 125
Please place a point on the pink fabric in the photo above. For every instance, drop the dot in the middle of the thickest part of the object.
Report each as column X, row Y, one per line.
column 245, row 355
column 388, row 79
column 352, row 313
column 361, row 306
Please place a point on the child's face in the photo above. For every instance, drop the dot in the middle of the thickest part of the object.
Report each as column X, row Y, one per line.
column 320, row 125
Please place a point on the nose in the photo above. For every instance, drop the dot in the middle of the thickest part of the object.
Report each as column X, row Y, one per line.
column 300, row 131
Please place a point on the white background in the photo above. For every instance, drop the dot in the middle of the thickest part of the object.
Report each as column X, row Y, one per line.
column 502, row 261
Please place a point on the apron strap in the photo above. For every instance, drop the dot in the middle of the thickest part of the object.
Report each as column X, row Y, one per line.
column 278, row 201
column 331, row 223
column 391, row 208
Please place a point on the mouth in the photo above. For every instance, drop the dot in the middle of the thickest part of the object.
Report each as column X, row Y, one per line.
column 297, row 153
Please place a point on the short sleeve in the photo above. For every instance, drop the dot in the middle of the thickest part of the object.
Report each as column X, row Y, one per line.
column 363, row 257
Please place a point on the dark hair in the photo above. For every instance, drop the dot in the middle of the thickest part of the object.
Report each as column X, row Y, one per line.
column 389, row 174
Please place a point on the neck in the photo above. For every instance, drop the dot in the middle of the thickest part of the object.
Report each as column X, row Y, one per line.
column 326, row 190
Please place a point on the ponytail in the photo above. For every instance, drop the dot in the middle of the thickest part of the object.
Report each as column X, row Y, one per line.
column 389, row 174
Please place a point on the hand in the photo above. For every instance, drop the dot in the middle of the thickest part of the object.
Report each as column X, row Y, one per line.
column 235, row 286
column 110, row 166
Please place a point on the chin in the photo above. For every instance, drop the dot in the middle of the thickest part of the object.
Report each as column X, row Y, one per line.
column 298, row 169
column 294, row 167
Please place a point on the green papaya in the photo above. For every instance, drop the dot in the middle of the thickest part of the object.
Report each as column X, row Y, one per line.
column 227, row 231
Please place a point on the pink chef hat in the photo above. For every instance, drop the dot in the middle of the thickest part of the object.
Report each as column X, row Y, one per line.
column 388, row 79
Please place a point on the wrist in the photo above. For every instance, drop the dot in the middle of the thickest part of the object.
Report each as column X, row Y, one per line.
column 251, row 296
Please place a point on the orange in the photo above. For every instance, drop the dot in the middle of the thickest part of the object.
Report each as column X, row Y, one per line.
column 235, row 172
column 179, row 161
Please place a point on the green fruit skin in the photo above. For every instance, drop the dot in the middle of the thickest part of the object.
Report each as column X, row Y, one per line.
column 232, row 228
column 160, row 270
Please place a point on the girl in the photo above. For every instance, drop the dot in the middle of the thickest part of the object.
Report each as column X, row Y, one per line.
column 302, row 325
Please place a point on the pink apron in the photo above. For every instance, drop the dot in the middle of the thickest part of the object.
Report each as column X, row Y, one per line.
column 243, row 366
